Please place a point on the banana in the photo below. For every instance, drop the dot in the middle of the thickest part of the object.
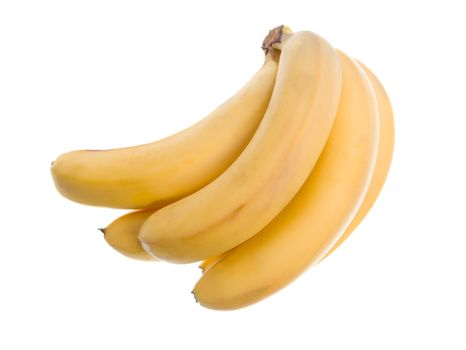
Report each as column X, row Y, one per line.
column 122, row 234
column 154, row 174
column 306, row 229
column 271, row 169
column 384, row 155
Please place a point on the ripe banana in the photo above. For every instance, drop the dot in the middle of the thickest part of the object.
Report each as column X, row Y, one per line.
column 155, row 174
column 306, row 229
column 122, row 234
column 269, row 172
column 268, row 184
column 384, row 155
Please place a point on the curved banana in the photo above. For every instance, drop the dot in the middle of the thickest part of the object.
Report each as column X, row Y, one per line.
column 302, row 233
column 384, row 155
column 122, row 234
column 155, row 174
column 269, row 172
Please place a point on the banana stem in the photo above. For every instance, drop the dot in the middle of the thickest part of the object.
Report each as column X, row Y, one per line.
column 274, row 39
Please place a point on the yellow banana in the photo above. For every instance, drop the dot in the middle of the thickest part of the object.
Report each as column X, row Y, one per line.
column 122, row 234
column 271, row 169
column 384, row 155
column 306, row 229
column 155, row 174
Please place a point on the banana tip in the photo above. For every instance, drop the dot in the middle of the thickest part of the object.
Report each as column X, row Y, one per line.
column 194, row 295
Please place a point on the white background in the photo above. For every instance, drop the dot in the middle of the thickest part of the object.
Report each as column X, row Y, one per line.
column 101, row 74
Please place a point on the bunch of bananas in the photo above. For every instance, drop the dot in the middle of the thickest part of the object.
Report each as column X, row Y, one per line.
column 266, row 185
